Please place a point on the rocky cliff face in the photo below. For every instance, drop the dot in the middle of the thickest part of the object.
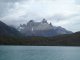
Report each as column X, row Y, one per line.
column 42, row 28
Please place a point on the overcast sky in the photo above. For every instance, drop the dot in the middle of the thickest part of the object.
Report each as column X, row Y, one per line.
column 65, row 13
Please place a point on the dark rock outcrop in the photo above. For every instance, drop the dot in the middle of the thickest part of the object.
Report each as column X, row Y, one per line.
column 6, row 30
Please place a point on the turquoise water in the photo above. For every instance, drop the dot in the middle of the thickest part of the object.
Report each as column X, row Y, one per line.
column 39, row 53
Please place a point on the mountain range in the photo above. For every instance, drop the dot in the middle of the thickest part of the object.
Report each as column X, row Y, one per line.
column 42, row 28
column 11, row 36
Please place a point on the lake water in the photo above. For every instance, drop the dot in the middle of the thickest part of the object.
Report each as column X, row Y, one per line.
column 39, row 53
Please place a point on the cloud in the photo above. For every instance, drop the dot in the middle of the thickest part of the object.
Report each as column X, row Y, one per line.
column 77, row 2
column 10, row 0
column 42, row 8
column 70, row 23
column 60, row 12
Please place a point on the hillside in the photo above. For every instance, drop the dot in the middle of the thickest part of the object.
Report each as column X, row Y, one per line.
column 6, row 30
column 63, row 40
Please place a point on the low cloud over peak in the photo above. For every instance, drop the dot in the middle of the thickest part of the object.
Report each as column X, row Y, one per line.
column 60, row 12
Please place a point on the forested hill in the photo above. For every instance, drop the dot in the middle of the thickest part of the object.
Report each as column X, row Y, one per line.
column 62, row 40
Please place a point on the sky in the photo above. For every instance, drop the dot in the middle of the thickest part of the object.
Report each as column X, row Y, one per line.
column 65, row 13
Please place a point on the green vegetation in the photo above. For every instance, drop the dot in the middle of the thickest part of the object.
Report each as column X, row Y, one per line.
column 63, row 40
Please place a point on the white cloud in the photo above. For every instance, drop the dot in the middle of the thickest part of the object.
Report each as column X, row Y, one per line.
column 72, row 24
column 25, row 10
column 43, row 7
